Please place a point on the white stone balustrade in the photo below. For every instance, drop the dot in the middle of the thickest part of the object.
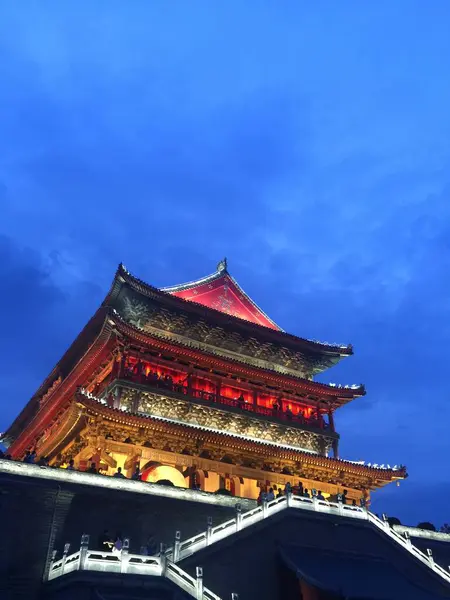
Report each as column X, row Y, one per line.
column 125, row 563
column 165, row 563
column 215, row 534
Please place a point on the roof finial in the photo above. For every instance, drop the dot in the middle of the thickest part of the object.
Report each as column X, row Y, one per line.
column 222, row 266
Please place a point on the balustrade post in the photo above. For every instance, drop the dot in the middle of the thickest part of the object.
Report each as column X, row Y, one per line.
column 386, row 521
column 430, row 555
column 234, row 596
column 64, row 557
column 289, row 495
column 83, row 551
column 50, row 567
column 264, row 508
column 176, row 547
column 124, row 556
column 163, row 559
column 209, row 531
column 238, row 517
column 199, row 583
column 407, row 538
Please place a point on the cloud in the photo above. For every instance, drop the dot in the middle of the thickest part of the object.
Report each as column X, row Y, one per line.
column 308, row 150
column 35, row 321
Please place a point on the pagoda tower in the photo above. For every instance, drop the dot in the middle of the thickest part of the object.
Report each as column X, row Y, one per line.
column 197, row 386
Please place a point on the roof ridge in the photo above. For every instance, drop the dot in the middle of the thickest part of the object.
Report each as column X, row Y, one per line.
column 343, row 349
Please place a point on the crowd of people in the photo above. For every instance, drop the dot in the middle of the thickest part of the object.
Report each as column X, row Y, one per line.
column 264, row 495
column 299, row 490
column 139, row 374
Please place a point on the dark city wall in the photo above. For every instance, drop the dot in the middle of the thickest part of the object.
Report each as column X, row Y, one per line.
column 39, row 515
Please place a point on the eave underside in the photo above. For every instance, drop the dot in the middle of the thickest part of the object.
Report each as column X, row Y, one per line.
column 216, row 316
column 379, row 477
column 338, row 395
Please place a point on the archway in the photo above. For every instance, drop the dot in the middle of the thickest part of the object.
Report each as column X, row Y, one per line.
column 155, row 473
column 197, row 479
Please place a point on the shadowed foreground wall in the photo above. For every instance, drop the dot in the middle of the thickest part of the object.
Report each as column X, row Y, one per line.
column 249, row 561
column 39, row 515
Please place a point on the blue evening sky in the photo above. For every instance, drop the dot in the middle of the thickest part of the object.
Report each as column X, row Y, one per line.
column 307, row 142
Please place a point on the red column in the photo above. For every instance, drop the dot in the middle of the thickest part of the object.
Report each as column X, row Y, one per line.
column 218, row 390
column 123, row 361
column 255, row 397
column 189, row 384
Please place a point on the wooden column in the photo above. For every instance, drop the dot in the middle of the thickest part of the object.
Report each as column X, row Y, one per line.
column 123, row 361
column 336, row 448
column 331, row 420
column 189, row 383
column 218, row 389
column 255, row 397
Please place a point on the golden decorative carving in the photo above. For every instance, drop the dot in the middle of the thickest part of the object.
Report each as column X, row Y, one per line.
column 212, row 418
column 155, row 319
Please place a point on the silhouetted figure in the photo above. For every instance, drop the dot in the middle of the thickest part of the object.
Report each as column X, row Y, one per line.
column 105, row 542
column 30, row 457
column 152, row 546
column 71, row 465
column 119, row 473
column 137, row 474
column 118, row 544
column 92, row 469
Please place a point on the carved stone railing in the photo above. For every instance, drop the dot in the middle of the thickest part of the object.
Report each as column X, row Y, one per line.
column 165, row 564
column 183, row 549
column 125, row 563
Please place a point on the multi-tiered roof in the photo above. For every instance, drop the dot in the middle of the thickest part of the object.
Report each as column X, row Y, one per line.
column 214, row 326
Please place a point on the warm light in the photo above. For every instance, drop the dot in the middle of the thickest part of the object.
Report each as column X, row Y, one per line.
column 155, row 474
column 103, row 481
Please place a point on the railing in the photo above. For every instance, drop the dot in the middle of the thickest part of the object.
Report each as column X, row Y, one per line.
column 165, row 563
column 123, row 562
column 183, row 549
column 213, row 398
column 405, row 541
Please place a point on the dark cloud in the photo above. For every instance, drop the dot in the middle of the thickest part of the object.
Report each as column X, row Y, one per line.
column 36, row 322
